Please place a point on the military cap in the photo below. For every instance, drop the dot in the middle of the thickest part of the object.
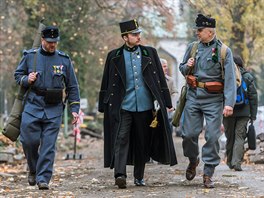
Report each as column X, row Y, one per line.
column 129, row 27
column 204, row 22
column 50, row 34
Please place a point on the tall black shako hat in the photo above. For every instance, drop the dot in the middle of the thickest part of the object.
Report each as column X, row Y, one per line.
column 129, row 27
column 50, row 34
column 204, row 22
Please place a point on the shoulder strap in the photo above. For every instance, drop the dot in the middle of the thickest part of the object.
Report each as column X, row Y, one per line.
column 22, row 90
column 193, row 53
column 223, row 55
column 237, row 71
column 194, row 49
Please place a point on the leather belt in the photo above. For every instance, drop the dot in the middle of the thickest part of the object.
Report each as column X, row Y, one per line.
column 201, row 84
column 39, row 92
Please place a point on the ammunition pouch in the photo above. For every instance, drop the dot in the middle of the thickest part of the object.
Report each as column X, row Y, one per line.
column 53, row 96
column 214, row 87
column 191, row 80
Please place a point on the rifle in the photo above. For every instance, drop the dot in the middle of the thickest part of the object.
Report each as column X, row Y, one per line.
column 12, row 127
column 37, row 39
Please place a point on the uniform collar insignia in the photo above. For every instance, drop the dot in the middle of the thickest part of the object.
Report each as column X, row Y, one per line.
column 209, row 43
column 130, row 49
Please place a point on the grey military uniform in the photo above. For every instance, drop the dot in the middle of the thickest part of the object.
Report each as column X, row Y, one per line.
column 202, row 105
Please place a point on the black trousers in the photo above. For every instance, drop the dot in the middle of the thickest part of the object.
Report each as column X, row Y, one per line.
column 133, row 125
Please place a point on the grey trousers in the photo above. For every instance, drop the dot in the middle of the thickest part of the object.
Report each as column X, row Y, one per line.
column 235, row 131
column 194, row 115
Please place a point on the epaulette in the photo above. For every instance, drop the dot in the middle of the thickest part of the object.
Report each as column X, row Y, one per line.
column 33, row 50
column 63, row 54
column 219, row 42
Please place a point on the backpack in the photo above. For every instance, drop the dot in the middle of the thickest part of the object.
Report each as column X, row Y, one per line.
column 223, row 55
column 242, row 96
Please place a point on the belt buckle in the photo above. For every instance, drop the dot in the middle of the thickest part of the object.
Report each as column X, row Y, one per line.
column 201, row 84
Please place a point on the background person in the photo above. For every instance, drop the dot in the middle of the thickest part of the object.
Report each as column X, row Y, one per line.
column 236, row 125
column 172, row 89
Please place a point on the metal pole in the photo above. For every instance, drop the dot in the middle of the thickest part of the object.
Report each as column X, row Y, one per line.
column 65, row 132
column 75, row 139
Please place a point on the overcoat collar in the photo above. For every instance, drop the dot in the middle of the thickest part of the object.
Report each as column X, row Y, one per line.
column 119, row 61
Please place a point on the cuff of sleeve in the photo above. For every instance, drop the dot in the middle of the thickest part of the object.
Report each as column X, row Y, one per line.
column 230, row 105
column 75, row 107
column 25, row 81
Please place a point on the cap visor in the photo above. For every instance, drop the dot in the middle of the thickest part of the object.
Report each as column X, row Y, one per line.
column 52, row 39
column 136, row 31
column 198, row 28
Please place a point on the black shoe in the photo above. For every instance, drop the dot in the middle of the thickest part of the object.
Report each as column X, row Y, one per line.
column 237, row 168
column 139, row 182
column 150, row 161
column 191, row 170
column 229, row 165
column 121, row 181
column 43, row 186
column 32, row 179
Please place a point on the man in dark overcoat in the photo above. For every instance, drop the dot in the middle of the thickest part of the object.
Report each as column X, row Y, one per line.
column 133, row 78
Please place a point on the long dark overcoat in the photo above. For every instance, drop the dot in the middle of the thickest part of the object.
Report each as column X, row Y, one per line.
column 112, row 93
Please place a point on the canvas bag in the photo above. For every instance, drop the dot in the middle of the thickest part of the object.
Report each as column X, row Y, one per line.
column 251, row 136
column 182, row 100
column 12, row 127
column 180, row 106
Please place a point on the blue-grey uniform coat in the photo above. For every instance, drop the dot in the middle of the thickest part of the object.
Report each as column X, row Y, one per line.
column 40, row 121
column 54, row 71
column 112, row 94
